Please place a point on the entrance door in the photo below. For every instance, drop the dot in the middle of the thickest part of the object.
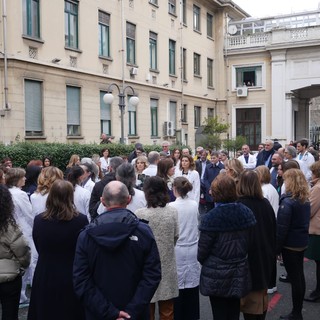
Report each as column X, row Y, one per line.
column 248, row 124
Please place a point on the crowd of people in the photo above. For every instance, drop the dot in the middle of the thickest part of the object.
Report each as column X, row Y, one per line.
column 111, row 237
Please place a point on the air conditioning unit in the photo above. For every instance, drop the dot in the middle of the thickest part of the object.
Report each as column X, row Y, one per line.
column 168, row 129
column 242, row 92
column 134, row 71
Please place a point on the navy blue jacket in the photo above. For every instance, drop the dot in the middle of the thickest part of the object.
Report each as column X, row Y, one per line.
column 223, row 250
column 116, row 267
column 209, row 175
column 292, row 223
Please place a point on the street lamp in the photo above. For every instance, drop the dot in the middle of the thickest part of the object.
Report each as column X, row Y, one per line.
column 108, row 99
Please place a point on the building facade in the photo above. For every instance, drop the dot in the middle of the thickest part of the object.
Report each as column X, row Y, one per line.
column 59, row 57
column 274, row 73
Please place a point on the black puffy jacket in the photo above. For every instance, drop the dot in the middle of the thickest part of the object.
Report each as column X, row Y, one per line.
column 223, row 251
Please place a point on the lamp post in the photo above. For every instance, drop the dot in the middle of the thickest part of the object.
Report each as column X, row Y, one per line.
column 108, row 99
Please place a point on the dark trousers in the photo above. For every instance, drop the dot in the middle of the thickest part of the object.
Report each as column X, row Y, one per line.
column 293, row 262
column 225, row 308
column 273, row 278
column 9, row 297
column 187, row 305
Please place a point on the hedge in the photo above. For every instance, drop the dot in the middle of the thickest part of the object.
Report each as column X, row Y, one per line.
column 60, row 153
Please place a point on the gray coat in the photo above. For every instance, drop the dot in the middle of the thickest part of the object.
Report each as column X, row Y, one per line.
column 14, row 254
column 164, row 225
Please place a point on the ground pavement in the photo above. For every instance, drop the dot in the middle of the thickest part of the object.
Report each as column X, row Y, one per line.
column 279, row 302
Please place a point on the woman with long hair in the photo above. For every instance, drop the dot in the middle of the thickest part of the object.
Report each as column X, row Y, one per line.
column 313, row 252
column 140, row 164
column 187, row 169
column 166, row 170
column 186, row 306
column 105, row 160
column 73, row 161
column 223, row 250
column 176, row 156
column 15, row 180
column 292, row 235
column 14, row 257
column 47, row 162
column 46, row 178
column 262, row 252
column 55, row 234
column 163, row 220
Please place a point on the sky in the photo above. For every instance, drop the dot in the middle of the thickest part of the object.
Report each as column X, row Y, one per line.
column 266, row 8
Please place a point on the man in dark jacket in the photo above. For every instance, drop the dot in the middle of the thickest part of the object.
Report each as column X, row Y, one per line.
column 212, row 170
column 117, row 265
column 264, row 156
column 97, row 190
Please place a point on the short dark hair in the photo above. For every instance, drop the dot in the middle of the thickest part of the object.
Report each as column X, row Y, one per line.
column 74, row 174
column 115, row 162
column 304, row 142
column 223, row 189
column 156, row 192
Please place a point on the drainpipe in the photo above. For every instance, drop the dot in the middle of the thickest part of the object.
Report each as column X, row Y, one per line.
column 4, row 53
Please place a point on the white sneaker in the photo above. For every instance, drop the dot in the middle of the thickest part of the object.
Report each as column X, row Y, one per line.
column 272, row 290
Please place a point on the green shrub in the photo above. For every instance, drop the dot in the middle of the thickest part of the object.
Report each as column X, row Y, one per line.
column 60, row 153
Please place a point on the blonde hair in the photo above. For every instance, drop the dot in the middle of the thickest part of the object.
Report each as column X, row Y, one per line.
column 235, row 167
column 296, row 184
column 264, row 174
column 142, row 159
column 47, row 177
column 13, row 175
column 73, row 160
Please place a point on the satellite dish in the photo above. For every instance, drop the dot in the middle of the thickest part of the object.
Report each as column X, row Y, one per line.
column 232, row 29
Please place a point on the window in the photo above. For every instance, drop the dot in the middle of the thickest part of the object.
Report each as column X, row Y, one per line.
column 71, row 23
column 172, row 57
column 196, row 64
column 105, row 115
column 154, row 2
column 184, row 64
column 196, row 18
column 132, row 117
column 184, row 113
column 154, row 117
column 73, row 111
column 153, row 38
column 210, row 113
column 33, row 108
column 31, row 18
column 250, row 76
column 209, row 72
column 104, row 36
column 209, row 25
column 184, row 11
column 173, row 114
column 248, row 125
column 197, row 116
column 131, row 43
column 172, row 6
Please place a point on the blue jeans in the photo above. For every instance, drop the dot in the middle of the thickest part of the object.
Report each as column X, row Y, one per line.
column 9, row 297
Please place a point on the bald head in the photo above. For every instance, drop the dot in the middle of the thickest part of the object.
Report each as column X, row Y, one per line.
column 115, row 194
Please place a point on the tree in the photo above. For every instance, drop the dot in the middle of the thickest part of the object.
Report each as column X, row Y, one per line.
column 212, row 131
column 233, row 145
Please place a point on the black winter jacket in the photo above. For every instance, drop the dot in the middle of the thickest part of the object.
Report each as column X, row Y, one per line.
column 262, row 252
column 116, row 266
column 223, row 250
column 292, row 223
